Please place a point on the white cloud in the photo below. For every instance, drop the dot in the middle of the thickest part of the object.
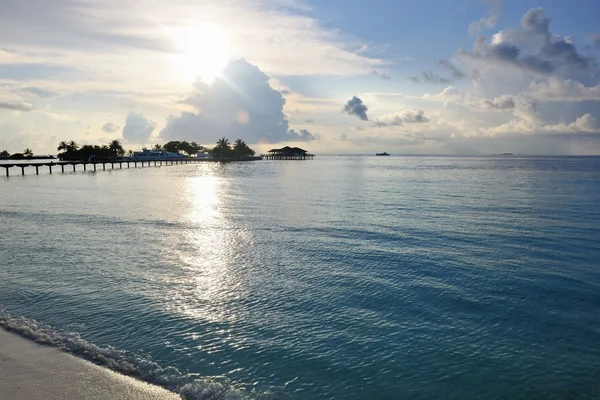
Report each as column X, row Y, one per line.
column 240, row 104
column 110, row 127
column 407, row 117
column 586, row 123
column 489, row 21
column 556, row 89
column 269, row 33
column 138, row 128
column 450, row 93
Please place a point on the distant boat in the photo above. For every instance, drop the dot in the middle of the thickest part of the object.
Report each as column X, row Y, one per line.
column 382, row 154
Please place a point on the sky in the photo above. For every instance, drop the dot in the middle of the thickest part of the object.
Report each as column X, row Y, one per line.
column 331, row 76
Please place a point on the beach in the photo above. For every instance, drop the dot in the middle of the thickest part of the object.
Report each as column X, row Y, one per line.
column 29, row 371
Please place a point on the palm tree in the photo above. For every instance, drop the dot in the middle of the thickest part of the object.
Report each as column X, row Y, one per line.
column 222, row 148
column 72, row 146
column 223, row 143
column 27, row 152
column 4, row 154
column 63, row 146
column 241, row 148
column 196, row 148
column 157, row 147
column 116, row 148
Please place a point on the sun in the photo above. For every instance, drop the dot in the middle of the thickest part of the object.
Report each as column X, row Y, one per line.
column 203, row 51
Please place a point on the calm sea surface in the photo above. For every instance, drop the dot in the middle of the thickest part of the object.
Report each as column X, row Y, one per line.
column 338, row 278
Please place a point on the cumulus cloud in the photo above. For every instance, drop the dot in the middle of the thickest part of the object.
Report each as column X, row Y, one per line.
column 556, row 89
column 394, row 121
column 505, row 102
column 527, row 112
column 239, row 104
column 137, row 128
column 586, row 123
column 408, row 117
column 355, row 106
column 18, row 106
column 533, row 48
column 499, row 51
column 416, row 117
column 110, row 127
column 489, row 21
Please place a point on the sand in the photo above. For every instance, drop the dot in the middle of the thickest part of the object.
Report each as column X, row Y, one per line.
column 29, row 371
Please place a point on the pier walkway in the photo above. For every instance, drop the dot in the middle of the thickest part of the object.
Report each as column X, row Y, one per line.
column 95, row 165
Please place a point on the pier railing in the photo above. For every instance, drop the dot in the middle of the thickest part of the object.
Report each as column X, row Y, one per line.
column 95, row 165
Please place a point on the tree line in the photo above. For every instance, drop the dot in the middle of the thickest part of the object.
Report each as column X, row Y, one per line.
column 223, row 148
column 71, row 150
column 27, row 153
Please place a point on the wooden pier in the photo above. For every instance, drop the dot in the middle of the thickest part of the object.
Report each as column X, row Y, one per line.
column 96, row 165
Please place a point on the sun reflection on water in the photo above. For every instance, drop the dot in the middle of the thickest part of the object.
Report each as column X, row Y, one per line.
column 208, row 276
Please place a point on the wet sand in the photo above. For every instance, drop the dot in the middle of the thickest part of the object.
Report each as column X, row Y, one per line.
column 29, row 371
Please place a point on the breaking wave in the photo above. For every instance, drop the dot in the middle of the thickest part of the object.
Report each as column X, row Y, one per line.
column 127, row 363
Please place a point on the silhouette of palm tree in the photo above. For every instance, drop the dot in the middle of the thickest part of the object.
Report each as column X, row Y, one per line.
column 223, row 143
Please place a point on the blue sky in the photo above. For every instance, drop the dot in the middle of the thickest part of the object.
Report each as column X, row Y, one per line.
column 430, row 77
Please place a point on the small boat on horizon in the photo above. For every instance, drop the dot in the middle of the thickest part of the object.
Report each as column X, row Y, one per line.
column 382, row 154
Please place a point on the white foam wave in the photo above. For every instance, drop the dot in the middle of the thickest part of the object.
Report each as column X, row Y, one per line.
column 124, row 362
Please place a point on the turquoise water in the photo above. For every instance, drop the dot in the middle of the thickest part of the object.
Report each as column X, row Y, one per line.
column 339, row 278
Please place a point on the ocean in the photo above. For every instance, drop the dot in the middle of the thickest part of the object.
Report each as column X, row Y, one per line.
column 345, row 277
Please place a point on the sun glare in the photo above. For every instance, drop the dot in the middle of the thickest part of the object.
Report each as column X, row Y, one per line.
column 204, row 51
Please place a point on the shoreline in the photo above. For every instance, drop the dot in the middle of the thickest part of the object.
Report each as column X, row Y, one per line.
column 30, row 371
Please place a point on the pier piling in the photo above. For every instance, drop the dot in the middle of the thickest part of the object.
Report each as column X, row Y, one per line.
column 94, row 163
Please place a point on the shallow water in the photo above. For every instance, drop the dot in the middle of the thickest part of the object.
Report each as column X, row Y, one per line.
column 344, row 277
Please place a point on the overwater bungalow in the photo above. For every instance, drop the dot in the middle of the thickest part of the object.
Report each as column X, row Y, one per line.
column 288, row 153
